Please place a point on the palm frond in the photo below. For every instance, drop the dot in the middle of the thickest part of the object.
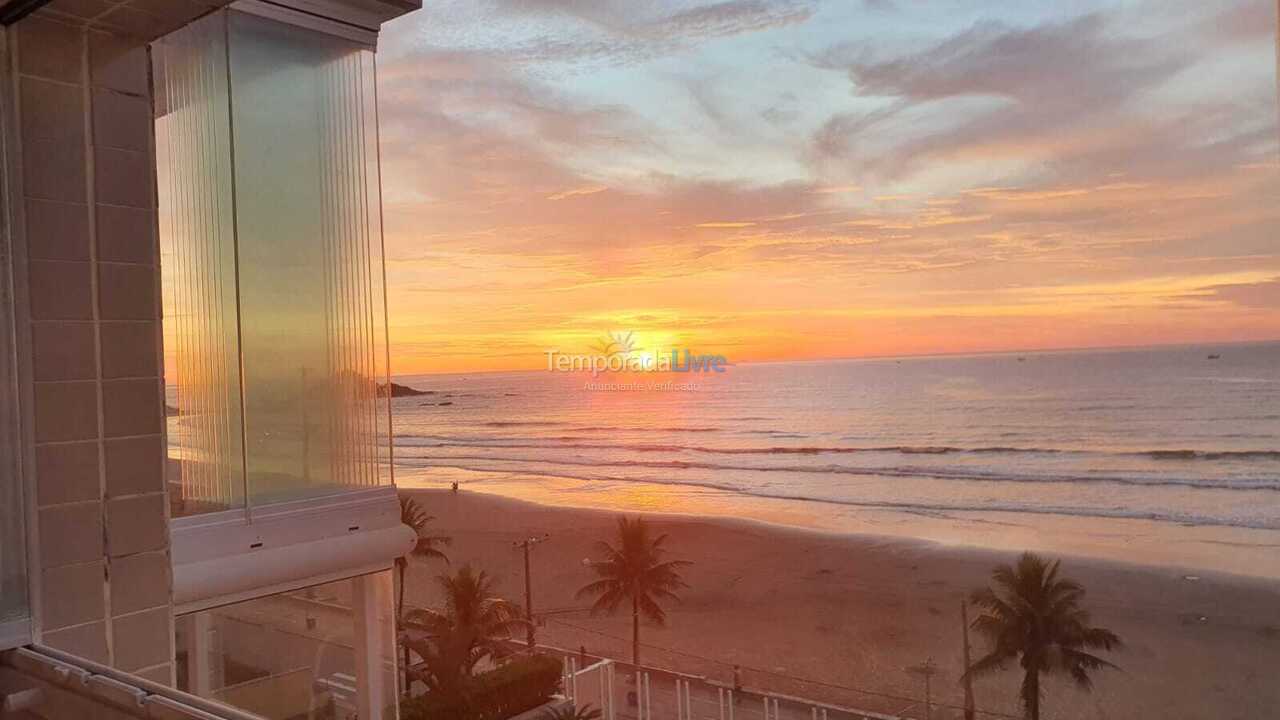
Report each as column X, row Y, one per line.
column 987, row 664
column 599, row 587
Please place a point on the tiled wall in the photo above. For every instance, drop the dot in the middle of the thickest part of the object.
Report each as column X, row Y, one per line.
column 86, row 201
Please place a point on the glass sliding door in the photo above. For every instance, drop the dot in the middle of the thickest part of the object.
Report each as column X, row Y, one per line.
column 273, row 264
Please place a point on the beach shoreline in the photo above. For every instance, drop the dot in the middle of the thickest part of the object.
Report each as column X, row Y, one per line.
column 837, row 617
column 1182, row 547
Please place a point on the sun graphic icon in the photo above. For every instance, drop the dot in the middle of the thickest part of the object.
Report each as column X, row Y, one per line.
column 616, row 343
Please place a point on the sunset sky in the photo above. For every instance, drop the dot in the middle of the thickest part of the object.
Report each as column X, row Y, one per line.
column 796, row 179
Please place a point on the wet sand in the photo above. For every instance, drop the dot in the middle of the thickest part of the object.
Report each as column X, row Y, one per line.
column 840, row 618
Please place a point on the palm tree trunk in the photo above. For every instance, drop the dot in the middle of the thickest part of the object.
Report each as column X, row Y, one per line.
column 400, row 618
column 1031, row 693
column 400, row 602
column 635, row 632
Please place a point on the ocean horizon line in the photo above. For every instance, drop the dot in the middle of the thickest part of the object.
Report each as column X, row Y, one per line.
column 913, row 356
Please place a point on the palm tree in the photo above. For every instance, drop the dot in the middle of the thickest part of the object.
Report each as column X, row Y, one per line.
column 1035, row 617
column 426, row 546
column 635, row 571
column 474, row 624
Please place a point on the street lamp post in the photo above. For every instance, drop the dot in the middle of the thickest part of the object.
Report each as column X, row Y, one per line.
column 528, row 582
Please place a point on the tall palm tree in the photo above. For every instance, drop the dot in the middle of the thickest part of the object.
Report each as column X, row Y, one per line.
column 474, row 624
column 1034, row 616
column 427, row 547
column 635, row 570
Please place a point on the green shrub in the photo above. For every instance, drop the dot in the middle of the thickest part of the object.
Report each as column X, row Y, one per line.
column 520, row 684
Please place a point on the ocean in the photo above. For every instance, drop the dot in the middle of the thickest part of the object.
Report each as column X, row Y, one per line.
column 1172, row 453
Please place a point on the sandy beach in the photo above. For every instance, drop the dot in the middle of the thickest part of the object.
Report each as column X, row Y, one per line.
column 840, row 618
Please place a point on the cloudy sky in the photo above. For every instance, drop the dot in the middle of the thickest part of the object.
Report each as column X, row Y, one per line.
column 784, row 179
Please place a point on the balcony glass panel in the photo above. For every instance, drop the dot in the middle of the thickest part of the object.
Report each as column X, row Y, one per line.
column 275, row 327
column 13, row 577
column 13, row 546
column 308, row 299
column 198, row 270
column 326, row 651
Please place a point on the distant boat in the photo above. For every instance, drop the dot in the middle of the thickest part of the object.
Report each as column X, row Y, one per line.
column 1022, row 359
column 1214, row 356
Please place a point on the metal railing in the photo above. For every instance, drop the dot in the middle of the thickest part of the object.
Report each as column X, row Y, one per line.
column 623, row 692
column 102, row 685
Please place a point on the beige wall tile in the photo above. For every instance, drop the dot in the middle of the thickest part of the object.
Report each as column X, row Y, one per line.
column 123, row 177
column 126, row 234
column 57, row 230
column 63, row 351
column 70, row 534
column 136, row 524
column 49, row 49
column 76, row 527
column 135, row 466
column 51, row 111
column 67, row 472
column 139, row 582
column 53, row 170
column 127, row 292
column 131, row 407
column 121, row 121
column 66, row 411
column 72, row 595
column 86, row 641
column 142, row 639
column 118, row 63
column 130, row 349
column 60, row 290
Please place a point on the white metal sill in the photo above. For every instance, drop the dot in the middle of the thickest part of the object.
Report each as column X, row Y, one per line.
column 227, row 557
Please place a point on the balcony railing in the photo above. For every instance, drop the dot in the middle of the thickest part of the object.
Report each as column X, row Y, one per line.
column 60, row 684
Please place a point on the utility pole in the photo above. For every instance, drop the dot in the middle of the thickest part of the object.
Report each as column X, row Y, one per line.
column 528, row 582
column 926, row 670
column 968, row 681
